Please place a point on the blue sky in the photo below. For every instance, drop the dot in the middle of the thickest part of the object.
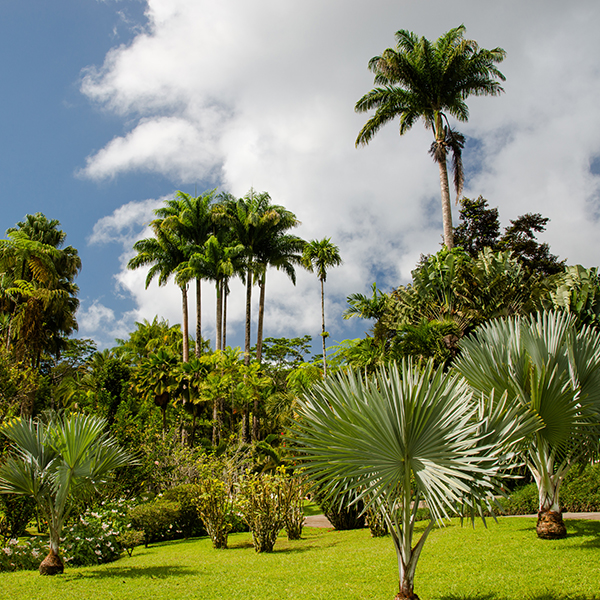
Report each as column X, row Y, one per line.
column 110, row 106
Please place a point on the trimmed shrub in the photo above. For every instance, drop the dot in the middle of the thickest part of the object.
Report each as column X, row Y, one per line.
column 18, row 511
column 293, row 492
column 341, row 514
column 157, row 519
column 189, row 521
column 580, row 491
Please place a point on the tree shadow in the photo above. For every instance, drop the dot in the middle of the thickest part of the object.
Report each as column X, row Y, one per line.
column 589, row 529
column 538, row 596
column 161, row 572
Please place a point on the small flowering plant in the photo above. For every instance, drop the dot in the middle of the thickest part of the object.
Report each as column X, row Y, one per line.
column 19, row 554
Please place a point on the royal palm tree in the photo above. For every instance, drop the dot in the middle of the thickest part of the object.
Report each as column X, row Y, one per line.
column 282, row 251
column 57, row 463
column 549, row 370
column 164, row 253
column 191, row 218
column 406, row 435
column 431, row 81
column 318, row 256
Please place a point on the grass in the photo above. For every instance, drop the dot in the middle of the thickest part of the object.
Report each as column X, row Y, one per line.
column 504, row 562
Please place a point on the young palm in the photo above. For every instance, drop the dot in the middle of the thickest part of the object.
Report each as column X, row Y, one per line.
column 318, row 256
column 552, row 372
column 429, row 81
column 407, row 435
column 57, row 463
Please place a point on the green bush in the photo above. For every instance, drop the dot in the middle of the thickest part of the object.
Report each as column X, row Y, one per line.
column 17, row 555
column 261, row 503
column 18, row 511
column 341, row 514
column 130, row 539
column 157, row 519
column 215, row 507
column 294, row 490
column 580, row 491
column 523, row 500
column 189, row 521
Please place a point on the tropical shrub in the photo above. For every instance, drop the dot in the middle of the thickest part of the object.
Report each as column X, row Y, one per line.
column 18, row 511
column 293, row 493
column 342, row 513
column 19, row 555
column 581, row 490
column 157, row 519
column 130, row 539
column 261, row 503
column 215, row 507
column 522, row 501
column 189, row 521
column 91, row 540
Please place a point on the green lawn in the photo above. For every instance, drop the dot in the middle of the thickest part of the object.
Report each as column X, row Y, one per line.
column 504, row 562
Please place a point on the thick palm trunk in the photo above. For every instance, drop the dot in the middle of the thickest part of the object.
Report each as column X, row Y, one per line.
column 261, row 316
column 186, row 338
column 323, row 334
column 53, row 564
column 248, row 316
column 198, row 317
column 550, row 524
column 446, row 205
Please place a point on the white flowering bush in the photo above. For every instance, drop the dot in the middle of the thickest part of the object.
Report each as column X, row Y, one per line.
column 92, row 539
column 19, row 554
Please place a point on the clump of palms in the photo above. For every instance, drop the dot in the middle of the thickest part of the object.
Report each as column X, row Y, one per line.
column 408, row 434
column 57, row 463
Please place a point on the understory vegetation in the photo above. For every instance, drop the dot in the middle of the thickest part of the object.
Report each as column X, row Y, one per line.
column 459, row 563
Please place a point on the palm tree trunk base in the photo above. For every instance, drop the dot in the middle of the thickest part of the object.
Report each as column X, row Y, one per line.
column 406, row 596
column 550, row 525
column 52, row 564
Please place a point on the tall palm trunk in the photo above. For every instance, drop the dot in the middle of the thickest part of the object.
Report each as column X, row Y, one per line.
column 323, row 334
column 261, row 316
column 186, row 338
column 444, row 183
column 198, row 317
column 225, row 294
column 248, row 315
column 446, row 205
column 219, row 343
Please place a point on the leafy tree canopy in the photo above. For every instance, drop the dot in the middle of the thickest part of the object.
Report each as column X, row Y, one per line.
column 480, row 228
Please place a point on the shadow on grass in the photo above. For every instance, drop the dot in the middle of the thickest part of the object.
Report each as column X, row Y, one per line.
column 133, row 573
column 589, row 529
column 541, row 596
